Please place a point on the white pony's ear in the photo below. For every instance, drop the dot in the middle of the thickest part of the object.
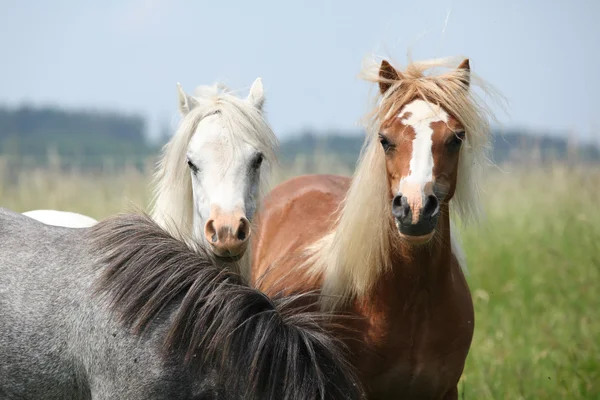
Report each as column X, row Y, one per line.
column 186, row 103
column 257, row 94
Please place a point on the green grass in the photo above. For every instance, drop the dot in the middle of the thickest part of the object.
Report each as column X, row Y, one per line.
column 534, row 265
column 534, row 270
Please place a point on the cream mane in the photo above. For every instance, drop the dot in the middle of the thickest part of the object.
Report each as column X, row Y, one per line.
column 358, row 250
column 172, row 205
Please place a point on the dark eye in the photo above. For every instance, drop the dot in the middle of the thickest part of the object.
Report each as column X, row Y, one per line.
column 456, row 140
column 192, row 166
column 385, row 143
column 257, row 161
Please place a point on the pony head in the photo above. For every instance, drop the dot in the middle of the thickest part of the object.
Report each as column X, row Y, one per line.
column 432, row 136
column 212, row 170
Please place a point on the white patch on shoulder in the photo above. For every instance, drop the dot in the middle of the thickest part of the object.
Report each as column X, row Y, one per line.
column 419, row 115
column 61, row 218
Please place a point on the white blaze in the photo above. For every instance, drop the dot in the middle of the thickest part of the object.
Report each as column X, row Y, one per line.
column 421, row 115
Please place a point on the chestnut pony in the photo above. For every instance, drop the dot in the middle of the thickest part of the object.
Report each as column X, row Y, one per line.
column 379, row 246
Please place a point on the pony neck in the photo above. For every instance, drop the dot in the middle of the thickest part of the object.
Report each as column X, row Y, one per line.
column 424, row 264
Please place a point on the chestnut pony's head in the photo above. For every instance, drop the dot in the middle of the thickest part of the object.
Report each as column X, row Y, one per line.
column 431, row 133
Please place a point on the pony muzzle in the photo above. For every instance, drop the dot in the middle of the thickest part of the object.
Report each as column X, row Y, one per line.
column 227, row 234
column 416, row 214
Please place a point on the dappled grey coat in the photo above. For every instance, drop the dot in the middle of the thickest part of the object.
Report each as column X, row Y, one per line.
column 124, row 311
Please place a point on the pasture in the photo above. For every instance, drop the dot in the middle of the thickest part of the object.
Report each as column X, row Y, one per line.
column 534, row 265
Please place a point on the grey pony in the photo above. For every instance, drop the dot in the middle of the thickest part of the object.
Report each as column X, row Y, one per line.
column 122, row 310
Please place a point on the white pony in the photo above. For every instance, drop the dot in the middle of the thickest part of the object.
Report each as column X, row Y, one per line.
column 208, row 182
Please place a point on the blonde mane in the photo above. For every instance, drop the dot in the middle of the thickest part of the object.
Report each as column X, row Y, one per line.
column 172, row 205
column 358, row 250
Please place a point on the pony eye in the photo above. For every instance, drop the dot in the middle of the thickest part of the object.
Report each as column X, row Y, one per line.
column 257, row 161
column 385, row 143
column 456, row 140
column 192, row 166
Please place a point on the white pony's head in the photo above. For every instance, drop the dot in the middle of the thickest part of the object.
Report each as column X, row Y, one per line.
column 211, row 177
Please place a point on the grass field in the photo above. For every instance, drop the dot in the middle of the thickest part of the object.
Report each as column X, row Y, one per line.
column 534, row 267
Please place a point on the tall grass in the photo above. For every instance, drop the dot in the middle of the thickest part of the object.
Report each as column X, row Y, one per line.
column 534, row 267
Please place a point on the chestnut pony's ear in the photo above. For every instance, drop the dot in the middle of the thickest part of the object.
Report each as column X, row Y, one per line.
column 467, row 67
column 388, row 74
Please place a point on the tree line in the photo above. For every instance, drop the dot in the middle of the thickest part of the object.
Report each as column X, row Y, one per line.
column 31, row 131
column 86, row 136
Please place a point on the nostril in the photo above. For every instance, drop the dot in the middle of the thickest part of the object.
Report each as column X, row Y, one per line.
column 405, row 207
column 432, row 206
column 397, row 206
column 210, row 232
column 243, row 230
column 241, row 234
column 397, row 202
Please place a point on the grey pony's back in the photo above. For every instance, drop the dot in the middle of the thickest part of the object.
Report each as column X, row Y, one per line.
column 55, row 343
column 30, row 313
column 69, row 298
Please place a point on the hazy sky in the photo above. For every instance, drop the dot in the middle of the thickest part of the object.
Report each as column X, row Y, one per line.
column 128, row 54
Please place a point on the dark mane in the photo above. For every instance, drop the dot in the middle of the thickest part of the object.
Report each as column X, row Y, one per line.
column 260, row 347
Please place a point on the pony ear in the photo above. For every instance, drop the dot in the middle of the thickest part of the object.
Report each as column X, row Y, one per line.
column 257, row 94
column 186, row 103
column 467, row 67
column 387, row 73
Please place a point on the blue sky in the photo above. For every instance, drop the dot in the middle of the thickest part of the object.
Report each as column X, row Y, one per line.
column 128, row 54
